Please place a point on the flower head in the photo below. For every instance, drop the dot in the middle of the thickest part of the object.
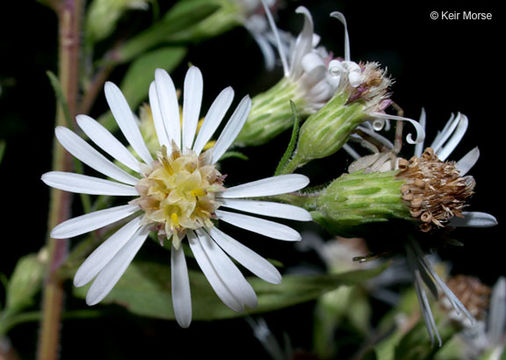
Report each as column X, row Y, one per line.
column 178, row 195
column 436, row 189
column 436, row 192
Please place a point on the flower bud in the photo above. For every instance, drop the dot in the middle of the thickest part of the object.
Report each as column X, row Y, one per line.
column 325, row 132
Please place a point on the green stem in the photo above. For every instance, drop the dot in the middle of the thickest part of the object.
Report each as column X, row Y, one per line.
column 69, row 16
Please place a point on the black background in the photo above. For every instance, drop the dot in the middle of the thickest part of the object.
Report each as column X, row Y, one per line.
column 445, row 66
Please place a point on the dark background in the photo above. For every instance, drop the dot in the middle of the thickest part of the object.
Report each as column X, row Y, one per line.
column 444, row 66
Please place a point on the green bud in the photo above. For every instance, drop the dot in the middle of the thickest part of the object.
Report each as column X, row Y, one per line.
column 25, row 282
column 271, row 113
column 326, row 131
column 354, row 200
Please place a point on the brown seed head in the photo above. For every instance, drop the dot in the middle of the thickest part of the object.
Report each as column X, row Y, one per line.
column 434, row 190
column 474, row 295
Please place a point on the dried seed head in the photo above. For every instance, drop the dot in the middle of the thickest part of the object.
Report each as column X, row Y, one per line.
column 434, row 190
column 472, row 293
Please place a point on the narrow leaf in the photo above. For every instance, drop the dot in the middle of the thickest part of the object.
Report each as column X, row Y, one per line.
column 291, row 144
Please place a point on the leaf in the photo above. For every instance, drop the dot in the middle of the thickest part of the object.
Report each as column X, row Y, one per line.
column 135, row 84
column 55, row 83
column 145, row 287
column 291, row 144
column 234, row 154
column 184, row 15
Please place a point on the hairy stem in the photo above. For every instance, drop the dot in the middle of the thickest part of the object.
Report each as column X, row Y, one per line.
column 69, row 17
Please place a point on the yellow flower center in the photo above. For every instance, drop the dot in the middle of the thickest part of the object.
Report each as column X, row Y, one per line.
column 178, row 193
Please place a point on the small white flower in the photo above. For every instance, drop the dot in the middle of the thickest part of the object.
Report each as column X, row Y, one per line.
column 321, row 76
column 304, row 62
column 177, row 195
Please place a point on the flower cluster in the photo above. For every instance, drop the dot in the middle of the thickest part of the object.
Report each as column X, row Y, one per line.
column 174, row 188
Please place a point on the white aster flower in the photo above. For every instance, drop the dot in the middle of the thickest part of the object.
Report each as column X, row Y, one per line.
column 177, row 195
column 305, row 63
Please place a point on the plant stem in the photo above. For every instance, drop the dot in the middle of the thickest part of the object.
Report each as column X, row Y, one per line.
column 69, row 17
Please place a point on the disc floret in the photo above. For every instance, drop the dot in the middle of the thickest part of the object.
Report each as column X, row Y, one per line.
column 178, row 193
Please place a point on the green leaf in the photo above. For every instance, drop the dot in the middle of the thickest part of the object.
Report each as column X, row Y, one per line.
column 234, row 154
column 185, row 14
column 55, row 83
column 135, row 84
column 291, row 144
column 145, row 287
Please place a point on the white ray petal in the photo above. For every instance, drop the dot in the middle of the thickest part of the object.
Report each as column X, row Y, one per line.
column 277, row 38
column 447, row 130
column 218, row 285
column 169, row 107
column 84, row 184
column 430, row 323
column 192, row 100
column 227, row 271
column 473, row 219
column 267, row 51
column 126, row 121
column 454, row 140
column 105, row 252
column 303, row 44
column 268, row 208
column 497, row 313
column 232, row 129
column 274, row 185
column 213, row 118
column 113, row 271
column 468, row 161
column 161, row 132
column 355, row 155
column 92, row 221
column 422, row 121
column 103, row 138
column 181, row 295
column 260, row 226
column 246, row 257
column 340, row 16
column 83, row 151
column 420, row 132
